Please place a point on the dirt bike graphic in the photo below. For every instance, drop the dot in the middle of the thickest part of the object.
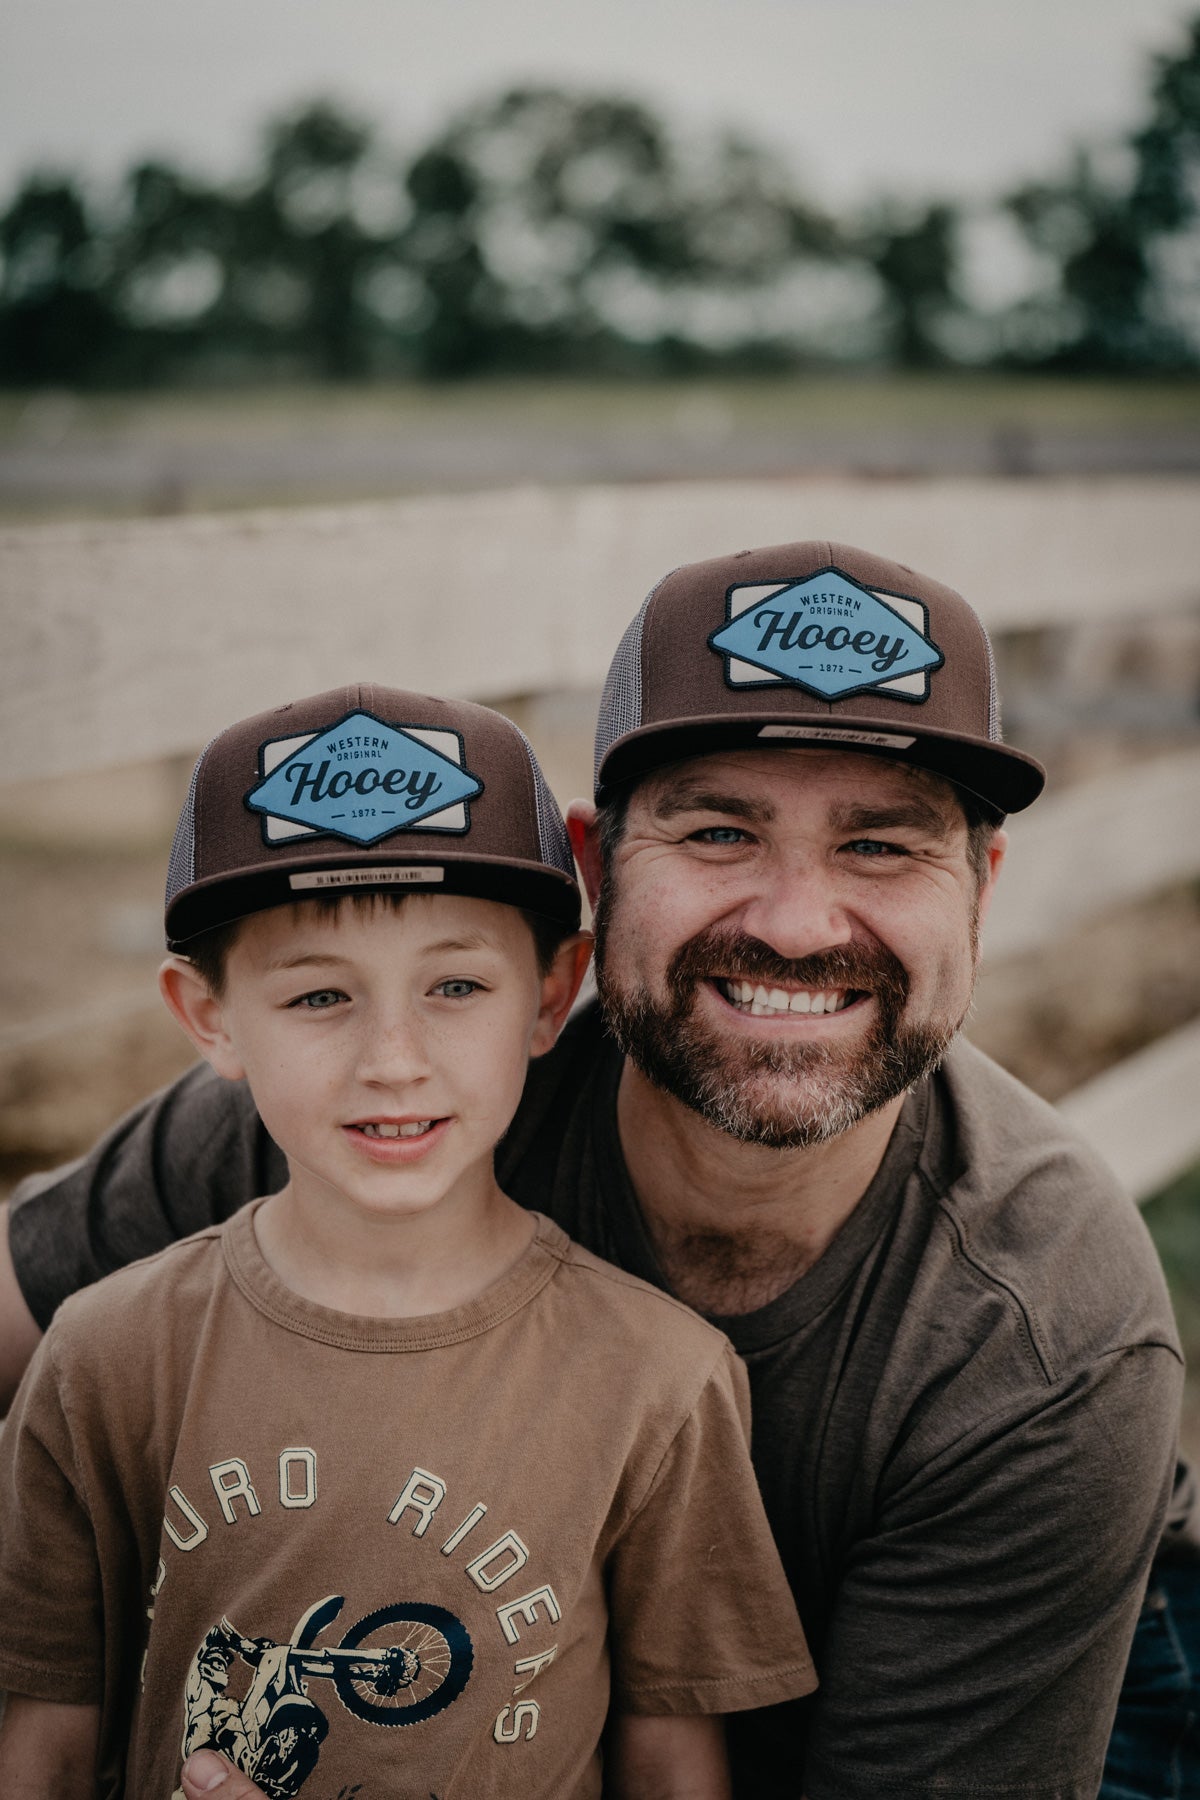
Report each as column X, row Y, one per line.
column 397, row 1666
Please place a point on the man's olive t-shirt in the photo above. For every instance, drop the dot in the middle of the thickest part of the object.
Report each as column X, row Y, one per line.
column 964, row 1414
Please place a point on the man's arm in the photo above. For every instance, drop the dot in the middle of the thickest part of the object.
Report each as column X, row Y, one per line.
column 665, row 1758
column 19, row 1330
column 185, row 1159
column 982, row 1627
column 48, row 1750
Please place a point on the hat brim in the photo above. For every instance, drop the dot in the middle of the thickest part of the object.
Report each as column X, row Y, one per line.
column 1003, row 779
column 237, row 894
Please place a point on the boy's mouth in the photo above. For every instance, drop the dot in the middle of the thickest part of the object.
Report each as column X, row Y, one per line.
column 383, row 1128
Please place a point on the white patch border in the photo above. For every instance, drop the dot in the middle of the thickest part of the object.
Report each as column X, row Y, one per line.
column 414, row 875
column 827, row 734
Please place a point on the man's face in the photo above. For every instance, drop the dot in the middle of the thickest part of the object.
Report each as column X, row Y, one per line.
column 787, row 939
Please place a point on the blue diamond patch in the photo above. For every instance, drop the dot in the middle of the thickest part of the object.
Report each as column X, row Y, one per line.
column 363, row 779
column 829, row 635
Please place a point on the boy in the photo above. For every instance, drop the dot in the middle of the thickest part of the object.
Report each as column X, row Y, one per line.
column 386, row 1477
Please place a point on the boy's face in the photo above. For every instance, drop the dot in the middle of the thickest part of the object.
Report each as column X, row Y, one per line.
column 386, row 1049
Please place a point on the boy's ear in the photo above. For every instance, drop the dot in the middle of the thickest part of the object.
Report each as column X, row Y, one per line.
column 581, row 829
column 559, row 988
column 191, row 1002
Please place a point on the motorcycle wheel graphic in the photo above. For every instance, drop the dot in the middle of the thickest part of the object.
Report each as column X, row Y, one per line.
column 428, row 1663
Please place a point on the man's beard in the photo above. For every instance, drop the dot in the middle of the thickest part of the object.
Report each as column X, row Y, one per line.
column 781, row 1095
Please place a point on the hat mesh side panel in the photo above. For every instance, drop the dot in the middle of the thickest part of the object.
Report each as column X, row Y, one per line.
column 994, row 731
column 181, row 870
column 621, row 701
column 553, row 841
column 993, row 689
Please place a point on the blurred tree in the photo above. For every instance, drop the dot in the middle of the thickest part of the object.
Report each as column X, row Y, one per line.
column 300, row 248
column 914, row 255
column 1111, row 231
column 168, row 249
column 552, row 228
column 56, row 325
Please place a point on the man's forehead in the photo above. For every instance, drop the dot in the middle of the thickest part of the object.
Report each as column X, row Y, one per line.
column 766, row 780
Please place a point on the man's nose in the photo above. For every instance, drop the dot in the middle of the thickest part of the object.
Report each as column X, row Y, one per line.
column 798, row 910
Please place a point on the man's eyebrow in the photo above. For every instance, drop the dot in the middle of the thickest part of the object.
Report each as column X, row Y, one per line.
column 684, row 799
column 911, row 814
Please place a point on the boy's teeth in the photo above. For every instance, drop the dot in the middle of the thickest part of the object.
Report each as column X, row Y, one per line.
column 416, row 1128
column 762, row 1002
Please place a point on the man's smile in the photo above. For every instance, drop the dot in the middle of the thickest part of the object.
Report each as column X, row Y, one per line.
column 763, row 1002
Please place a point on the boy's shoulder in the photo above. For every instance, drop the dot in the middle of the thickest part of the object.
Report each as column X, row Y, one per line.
column 148, row 1296
column 608, row 1299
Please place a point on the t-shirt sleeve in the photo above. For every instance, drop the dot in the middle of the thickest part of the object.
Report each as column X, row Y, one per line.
column 184, row 1160
column 980, row 1633
column 51, row 1640
column 702, row 1618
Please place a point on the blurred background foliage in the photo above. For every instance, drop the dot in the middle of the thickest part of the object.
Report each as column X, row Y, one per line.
column 546, row 232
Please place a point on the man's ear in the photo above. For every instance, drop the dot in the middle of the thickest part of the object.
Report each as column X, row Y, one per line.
column 585, row 842
column 559, row 988
column 995, row 858
column 191, row 1002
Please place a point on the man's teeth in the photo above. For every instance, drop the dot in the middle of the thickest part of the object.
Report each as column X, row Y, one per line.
column 416, row 1128
column 762, row 1002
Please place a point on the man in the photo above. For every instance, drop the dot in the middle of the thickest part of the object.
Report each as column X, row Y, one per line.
column 965, row 1373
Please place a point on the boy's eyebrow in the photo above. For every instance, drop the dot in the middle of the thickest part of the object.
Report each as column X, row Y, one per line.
column 304, row 959
column 317, row 959
column 469, row 941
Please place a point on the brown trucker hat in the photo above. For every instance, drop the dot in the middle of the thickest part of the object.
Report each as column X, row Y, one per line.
column 366, row 787
column 810, row 644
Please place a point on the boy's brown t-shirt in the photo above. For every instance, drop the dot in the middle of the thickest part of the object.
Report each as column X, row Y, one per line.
column 385, row 1557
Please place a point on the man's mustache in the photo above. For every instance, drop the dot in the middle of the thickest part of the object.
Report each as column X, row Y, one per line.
column 734, row 955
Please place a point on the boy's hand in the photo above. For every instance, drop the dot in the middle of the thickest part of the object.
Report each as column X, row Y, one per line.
column 205, row 1772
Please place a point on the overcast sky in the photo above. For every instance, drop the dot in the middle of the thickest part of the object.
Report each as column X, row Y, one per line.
column 916, row 96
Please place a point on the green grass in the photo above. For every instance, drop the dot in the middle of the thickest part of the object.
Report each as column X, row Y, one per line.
column 1173, row 1217
column 848, row 401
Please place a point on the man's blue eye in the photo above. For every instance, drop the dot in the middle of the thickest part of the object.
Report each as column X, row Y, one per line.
column 319, row 1001
column 874, row 847
column 720, row 834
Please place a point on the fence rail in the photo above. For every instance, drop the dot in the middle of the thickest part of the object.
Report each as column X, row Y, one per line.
column 139, row 639
column 136, row 640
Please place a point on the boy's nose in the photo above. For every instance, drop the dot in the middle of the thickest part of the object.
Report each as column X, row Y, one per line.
column 392, row 1050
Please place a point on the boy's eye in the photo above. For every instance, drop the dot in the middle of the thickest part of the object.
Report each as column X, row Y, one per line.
column 320, row 1000
column 457, row 988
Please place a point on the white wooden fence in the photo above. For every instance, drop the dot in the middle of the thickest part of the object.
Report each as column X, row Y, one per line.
column 134, row 640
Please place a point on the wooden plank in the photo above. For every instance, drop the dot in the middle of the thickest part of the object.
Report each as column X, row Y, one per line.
column 1143, row 1116
column 1100, row 844
column 126, row 641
